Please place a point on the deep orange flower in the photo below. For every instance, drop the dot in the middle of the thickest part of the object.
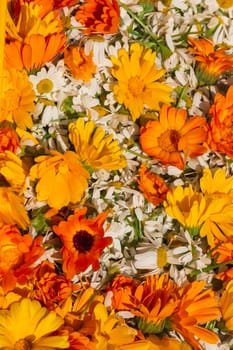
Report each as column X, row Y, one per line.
column 197, row 306
column 173, row 133
column 153, row 186
column 9, row 140
column 81, row 65
column 153, row 302
column 222, row 252
column 227, row 306
column 220, row 132
column 99, row 16
column 211, row 63
column 34, row 51
column 17, row 254
column 83, row 241
column 122, row 288
column 62, row 178
column 49, row 287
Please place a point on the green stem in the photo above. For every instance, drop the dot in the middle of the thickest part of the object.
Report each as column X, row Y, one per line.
column 136, row 153
column 211, row 267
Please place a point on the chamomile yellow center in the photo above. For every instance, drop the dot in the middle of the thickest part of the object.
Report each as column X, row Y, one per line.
column 44, row 86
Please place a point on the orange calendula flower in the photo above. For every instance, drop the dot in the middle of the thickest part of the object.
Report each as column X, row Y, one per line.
column 99, row 16
column 153, row 302
column 94, row 147
column 12, row 210
column 9, row 140
column 18, row 99
column 49, row 288
column 220, row 132
column 226, row 306
column 225, row 3
column 34, row 51
column 211, row 63
column 138, row 82
column 197, row 306
column 17, row 253
column 122, row 288
column 153, row 186
column 173, row 133
column 81, row 65
column 83, row 241
column 62, row 178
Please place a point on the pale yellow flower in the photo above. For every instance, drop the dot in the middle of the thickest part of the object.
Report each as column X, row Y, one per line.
column 94, row 148
column 138, row 80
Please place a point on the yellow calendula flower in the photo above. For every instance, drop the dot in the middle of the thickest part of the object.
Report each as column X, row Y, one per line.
column 28, row 326
column 138, row 80
column 18, row 99
column 225, row 3
column 226, row 305
column 11, row 169
column 12, row 210
column 62, row 178
column 217, row 183
column 111, row 331
column 94, row 148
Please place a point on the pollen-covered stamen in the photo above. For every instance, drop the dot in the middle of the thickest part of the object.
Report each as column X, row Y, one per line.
column 83, row 241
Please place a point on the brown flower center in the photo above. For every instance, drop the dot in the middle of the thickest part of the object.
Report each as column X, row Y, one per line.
column 22, row 344
column 83, row 241
column 169, row 140
column 135, row 86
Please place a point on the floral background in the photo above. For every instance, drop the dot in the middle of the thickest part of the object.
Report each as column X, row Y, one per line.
column 116, row 184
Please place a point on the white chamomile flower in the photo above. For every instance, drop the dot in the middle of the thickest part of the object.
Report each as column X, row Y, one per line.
column 48, row 82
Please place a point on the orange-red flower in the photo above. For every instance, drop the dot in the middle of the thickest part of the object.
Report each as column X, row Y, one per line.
column 211, row 63
column 34, row 51
column 81, row 65
column 17, row 254
column 153, row 186
column 83, row 241
column 99, row 16
column 49, row 287
column 220, row 132
column 9, row 140
column 197, row 306
column 173, row 133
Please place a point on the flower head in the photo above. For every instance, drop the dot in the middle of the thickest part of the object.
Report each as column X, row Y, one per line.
column 153, row 186
column 83, row 241
column 11, row 168
column 197, row 306
column 211, row 63
column 18, row 99
column 17, row 253
column 94, row 148
column 34, row 51
column 173, row 133
column 99, row 16
column 138, row 80
column 27, row 325
column 12, row 210
column 81, row 65
column 220, row 132
column 9, row 140
column 226, row 306
column 62, row 178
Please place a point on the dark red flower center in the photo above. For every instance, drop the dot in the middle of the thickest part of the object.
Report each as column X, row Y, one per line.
column 83, row 241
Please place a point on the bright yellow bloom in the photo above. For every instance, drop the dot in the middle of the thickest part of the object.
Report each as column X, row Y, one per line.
column 211, row 216
column 94, row 148
column 28, row 326
column 30, row 21
column 216, row 183
column 18, row 99
column 225, row 3
column 12, row 210
column 11, row 169
column 138, row 82
column 111, row 331
column 62, row 178
column 226, row 306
